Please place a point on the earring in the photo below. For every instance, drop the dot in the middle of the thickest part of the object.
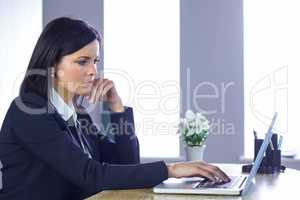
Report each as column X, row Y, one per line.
column 52, row 72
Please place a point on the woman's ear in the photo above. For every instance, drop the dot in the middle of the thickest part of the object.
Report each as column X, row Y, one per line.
column 52, row 72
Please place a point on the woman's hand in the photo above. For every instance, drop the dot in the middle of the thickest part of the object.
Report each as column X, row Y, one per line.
column 197, row 169
column 104, row 89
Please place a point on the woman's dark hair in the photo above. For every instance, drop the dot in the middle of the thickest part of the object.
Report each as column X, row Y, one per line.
column 60, row 37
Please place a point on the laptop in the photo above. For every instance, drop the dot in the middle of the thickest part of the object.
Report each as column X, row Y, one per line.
column 237, row 186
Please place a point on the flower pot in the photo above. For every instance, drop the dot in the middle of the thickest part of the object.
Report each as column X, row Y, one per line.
column 195, row 153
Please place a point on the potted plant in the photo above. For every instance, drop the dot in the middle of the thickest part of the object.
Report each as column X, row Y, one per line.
column 194, row 129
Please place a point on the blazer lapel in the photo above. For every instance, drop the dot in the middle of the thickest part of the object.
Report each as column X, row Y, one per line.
column 43, row 103
column 64, row 126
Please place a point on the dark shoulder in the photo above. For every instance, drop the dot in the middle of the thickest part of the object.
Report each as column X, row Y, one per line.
column 29, row 104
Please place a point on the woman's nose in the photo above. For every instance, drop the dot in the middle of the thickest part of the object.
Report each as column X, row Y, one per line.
column 91, row 69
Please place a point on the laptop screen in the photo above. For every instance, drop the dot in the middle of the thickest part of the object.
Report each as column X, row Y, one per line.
column 261, row 153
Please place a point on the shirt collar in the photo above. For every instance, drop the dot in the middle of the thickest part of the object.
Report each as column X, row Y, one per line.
column 65, row 110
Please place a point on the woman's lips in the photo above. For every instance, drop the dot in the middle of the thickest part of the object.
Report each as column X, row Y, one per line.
column 88, row 84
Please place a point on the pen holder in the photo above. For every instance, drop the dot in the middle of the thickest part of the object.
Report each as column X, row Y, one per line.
column 271, row 162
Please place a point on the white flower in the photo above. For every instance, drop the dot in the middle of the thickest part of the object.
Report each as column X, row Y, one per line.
column 190, row 132
column 199, row 116
column 194, row 124
column 205, row 126
column 189, row 115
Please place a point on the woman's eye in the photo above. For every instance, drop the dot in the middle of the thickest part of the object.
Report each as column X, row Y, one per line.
column 96, row 61
column 81, row 62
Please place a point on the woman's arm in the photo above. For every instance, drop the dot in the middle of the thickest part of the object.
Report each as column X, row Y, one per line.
column 40, row 135
column 126, row 149
column 123, row 148
column 106, row 90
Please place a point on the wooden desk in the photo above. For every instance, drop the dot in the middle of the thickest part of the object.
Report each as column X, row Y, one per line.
column 276, row 186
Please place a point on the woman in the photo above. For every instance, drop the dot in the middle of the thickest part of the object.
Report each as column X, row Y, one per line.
column 50, row 148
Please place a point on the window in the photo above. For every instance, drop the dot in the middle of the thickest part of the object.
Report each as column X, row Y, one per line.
column 21, row 24
column 141, row 55
column 271, row 69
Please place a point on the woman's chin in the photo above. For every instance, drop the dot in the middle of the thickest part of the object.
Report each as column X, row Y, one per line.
column 84, row 92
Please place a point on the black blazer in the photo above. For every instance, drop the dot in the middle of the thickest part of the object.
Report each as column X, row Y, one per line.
column 41, row 161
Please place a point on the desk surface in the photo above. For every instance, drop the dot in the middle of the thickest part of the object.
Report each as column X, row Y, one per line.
column 276, row 186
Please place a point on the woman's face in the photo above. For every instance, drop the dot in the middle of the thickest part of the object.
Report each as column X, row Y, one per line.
column 76, row 71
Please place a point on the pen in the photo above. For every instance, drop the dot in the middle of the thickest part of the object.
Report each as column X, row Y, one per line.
column 271, row 145
column 280, row 142
column 255, row 134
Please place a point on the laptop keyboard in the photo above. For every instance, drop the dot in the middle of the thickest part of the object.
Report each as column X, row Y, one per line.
column 206, row 183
